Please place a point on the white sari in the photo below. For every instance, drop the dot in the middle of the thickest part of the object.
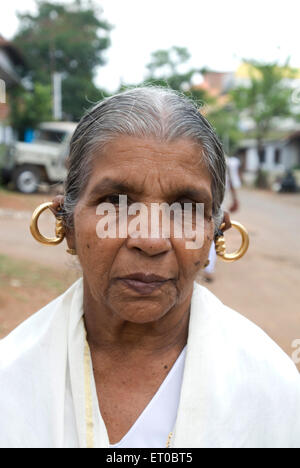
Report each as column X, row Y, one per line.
column 239, row 388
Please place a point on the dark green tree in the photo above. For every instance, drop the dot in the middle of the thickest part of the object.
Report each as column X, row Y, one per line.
column 30, row 107
column 70, row 39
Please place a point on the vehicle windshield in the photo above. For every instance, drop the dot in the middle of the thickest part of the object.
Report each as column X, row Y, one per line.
column 49, row 136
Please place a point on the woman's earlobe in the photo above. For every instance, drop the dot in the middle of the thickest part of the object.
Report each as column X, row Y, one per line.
column 57, row 209
column 57, row 204
column 70, row 238
column 226, row 223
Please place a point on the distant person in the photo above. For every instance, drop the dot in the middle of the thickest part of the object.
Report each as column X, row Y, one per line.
column 288, row 183
column 234, row 167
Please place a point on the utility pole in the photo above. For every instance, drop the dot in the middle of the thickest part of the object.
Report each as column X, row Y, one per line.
column 56, row 77
column 56, row 86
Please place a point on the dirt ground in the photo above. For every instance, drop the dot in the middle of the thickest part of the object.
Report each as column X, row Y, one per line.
column 264, row 286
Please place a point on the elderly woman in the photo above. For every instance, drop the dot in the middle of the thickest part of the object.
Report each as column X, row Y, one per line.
column 136, row 353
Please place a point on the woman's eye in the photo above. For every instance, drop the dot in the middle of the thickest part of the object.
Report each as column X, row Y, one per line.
column 113, row 199
column 192, row 205
column 187, row 204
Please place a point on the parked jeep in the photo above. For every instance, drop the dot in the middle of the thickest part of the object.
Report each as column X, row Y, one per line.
column 43, row 160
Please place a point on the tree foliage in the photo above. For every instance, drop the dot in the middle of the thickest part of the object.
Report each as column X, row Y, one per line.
column 70, row 39
column 267, row 96
column 225, row 121
column 169, row 68
column 29, row 108
column 264, row 99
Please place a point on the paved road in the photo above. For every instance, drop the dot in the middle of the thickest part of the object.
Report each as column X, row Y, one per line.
column 17, row 241
column 264, row 286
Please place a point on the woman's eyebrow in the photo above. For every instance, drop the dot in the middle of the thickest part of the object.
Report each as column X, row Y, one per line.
column 119, row 186
column 111, row 184
column 193, row 193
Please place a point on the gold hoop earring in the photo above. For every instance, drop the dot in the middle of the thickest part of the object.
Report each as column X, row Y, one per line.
column 34, row 229
column 220, row 244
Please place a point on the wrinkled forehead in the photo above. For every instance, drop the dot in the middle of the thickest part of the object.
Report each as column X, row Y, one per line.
column 149, row 166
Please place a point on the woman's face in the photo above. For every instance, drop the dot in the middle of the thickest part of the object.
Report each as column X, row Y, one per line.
column 147, row 171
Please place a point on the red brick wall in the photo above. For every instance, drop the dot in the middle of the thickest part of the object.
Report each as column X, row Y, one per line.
column 4, row 111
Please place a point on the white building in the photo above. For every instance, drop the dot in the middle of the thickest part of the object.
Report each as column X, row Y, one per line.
column 276, row 156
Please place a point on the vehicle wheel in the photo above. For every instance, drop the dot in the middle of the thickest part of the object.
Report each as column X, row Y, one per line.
column 27, row 179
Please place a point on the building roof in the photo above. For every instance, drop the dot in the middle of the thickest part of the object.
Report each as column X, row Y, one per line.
column 294, row 136
column 216, row 83
column 282, row 137
column 10, row 60
column 12, row 51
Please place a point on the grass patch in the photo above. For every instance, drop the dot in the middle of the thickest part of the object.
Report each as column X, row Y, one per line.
column 28, row 274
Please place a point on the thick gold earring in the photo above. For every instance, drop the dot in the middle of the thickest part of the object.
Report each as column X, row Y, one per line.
column 34, row 229
column 220, row 244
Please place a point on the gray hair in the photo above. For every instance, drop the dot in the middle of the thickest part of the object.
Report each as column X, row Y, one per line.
column 142, row 112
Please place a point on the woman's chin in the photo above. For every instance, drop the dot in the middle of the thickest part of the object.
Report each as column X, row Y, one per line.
column 145, row 310
column 143, row 306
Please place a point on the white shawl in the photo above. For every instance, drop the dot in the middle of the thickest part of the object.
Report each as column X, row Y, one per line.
column 239, row 388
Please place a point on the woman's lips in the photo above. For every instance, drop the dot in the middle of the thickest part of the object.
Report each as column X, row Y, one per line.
column 144, row 283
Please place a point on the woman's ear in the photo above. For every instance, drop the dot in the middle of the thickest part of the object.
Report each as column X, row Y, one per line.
column 57, row 207
column 226, row 223
column 57, row 204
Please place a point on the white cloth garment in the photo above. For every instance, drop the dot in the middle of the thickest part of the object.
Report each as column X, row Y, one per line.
column 153, row 426
column 239, row 389
column 233, row 164
column 212, row 257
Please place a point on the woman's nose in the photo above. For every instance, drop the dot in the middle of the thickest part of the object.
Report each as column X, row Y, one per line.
column 150, row 246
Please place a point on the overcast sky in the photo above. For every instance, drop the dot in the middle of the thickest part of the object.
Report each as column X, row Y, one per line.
column 217, row 33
